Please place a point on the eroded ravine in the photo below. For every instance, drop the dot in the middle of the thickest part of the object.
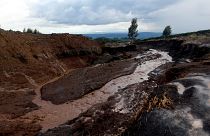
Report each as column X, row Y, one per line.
column 51, row 115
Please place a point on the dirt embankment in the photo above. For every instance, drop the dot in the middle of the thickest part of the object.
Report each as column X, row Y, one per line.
column 29, row 60
column 178, row 48
column 39, row 57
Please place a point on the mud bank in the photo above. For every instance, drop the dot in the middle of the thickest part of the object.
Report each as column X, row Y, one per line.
column 82, row 81
column 178, row 48
column 121, row 101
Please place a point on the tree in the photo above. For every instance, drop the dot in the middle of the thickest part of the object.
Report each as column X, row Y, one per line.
column 24, row 30
column 29, row 30
column 35, row 31
column 167, row 31
column 132, row 30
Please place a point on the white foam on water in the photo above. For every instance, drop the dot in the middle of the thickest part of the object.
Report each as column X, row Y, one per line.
column 203, row 94
column 183, row 119
column 179, row 86
column 120, row 106
column 197, row 123
column 203, row 88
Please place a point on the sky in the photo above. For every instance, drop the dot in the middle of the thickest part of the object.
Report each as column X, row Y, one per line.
column 104, row 16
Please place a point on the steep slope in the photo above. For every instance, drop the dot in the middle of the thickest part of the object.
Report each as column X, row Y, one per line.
column 30, row 60
column 27, row 60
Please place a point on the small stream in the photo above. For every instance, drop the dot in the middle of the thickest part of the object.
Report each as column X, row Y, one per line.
column 54, row 115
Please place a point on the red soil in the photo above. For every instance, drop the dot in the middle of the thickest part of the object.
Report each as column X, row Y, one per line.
column 26, row 62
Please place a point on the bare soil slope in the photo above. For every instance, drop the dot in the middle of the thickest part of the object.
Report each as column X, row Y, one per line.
column 30, row 59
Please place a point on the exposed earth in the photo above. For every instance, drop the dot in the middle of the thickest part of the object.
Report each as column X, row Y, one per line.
column 62, row 84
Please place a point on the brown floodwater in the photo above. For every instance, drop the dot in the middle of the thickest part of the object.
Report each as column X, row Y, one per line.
column 53, row 115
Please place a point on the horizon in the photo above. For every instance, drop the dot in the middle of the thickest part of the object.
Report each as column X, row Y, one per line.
column 111, row 32
column 93, row 17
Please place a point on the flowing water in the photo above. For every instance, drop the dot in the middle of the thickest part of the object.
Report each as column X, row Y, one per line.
column 53, row 115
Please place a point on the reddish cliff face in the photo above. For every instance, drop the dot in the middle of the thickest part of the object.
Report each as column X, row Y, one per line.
column 27, row 60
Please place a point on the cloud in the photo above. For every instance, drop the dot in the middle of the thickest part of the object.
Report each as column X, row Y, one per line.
column 114, row 27
column 95, row 12
column 13, row 10
column 90, row 16
column 185, row 16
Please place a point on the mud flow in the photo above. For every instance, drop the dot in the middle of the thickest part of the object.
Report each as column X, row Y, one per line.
column 52, row 115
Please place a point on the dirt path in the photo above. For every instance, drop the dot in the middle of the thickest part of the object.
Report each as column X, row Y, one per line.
column 53, row 115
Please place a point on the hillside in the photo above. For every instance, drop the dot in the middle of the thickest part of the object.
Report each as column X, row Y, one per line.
column 41, row 57
column 202, row 36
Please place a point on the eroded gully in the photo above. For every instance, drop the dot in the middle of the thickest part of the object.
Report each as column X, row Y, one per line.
column 50, row 115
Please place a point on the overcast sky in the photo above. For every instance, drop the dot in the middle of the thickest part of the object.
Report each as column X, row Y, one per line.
column 93, row 16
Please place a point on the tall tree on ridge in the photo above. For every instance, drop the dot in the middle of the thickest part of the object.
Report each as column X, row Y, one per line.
column 132, row 30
